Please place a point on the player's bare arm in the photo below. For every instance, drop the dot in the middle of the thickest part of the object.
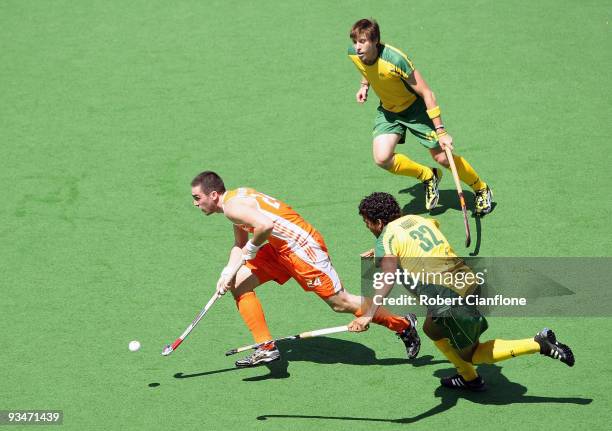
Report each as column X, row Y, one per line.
column 226, row 283
column 388, row 264
column 362, row 93
column 245, row 212
column 419, row 85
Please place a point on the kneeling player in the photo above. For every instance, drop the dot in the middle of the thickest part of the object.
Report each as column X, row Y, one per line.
column 403, row 242
column 294, row 249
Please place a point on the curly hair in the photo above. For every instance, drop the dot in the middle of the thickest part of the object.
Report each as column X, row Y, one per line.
column 380, row 206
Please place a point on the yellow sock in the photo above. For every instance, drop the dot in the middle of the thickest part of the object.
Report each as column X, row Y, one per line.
column 499, row 350
column 402, row 165
column 465, row 369
column 467, row 174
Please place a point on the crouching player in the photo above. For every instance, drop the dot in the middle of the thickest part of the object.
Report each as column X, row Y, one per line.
column 283, row 246
column 407, row 243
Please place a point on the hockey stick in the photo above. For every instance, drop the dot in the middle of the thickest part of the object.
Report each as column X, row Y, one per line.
column 169, row 348
column 308, row 334
column 451, row 161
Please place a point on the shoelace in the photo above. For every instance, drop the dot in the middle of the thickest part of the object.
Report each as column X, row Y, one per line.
column 429, row 185
column 481, row 197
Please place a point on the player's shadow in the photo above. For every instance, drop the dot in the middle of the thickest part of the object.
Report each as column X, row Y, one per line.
column 448, row 200
column 478, row 237
column 322, row 350
column 501, row 392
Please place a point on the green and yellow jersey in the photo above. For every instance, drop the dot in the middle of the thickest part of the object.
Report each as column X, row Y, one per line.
column 415, row 237
column 388, row 77
column 422, row 248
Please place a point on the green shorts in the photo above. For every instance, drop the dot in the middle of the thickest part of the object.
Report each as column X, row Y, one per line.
column 462, row 325
column 414, row 118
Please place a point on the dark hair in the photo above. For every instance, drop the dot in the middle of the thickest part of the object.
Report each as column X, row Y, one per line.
column 380, row 206
column 367, row 26
column 209, row 181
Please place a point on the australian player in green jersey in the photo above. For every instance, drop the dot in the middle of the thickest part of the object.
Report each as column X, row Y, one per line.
column 407, row 103
column 412, row 242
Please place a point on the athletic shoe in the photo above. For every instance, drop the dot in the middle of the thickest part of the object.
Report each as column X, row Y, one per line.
column 258, row 357
column 483, row 201
column 549, row 346
column 410, row 337
column 458, row 382
column 432, row 194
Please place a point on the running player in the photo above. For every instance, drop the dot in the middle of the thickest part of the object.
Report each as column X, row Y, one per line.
column 412, row 242
column 283, row 246
column 407, row 103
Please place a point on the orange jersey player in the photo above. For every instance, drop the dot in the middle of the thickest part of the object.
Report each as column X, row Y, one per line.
column 282, row 246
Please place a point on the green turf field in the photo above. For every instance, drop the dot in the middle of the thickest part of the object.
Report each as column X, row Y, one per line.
column 109, row 108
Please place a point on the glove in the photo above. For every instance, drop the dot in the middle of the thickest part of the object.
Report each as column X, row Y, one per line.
column 223, row 284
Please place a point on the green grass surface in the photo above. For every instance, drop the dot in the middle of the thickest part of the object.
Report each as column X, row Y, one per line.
column 110, row 108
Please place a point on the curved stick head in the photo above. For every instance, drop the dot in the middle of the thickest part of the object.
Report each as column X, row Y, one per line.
column 167, row 350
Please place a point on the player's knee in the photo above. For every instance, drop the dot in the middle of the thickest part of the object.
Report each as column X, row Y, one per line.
column 339, row 304
column 441, row 159
column 383, row 161
column 340, row 307
column 238, row 292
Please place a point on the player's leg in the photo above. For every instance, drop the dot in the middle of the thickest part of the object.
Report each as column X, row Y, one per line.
column 319, row 276
column 467, row 174
column 249, row 306
column 420, row 125
column 388, row 132
column 252, row 313
column 404, row 327
column 441, row 335
column 314, row 271
column 257, row 271
column 345, row 302
column 415, row 120
column 383, row 151
column 399, row 164
column 545, row 342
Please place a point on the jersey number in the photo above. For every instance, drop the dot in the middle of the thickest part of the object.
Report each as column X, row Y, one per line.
column 426, row 236
column 313, row 283
column 267, row 199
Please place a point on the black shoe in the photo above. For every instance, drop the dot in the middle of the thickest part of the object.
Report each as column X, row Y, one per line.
column 410, row 337
column 432, row 194
column 549, row 346
column 458, row 382
column 483, row 201
column 259, row 357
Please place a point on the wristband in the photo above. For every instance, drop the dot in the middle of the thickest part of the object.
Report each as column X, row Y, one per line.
column 433, row 112
column 251, row 250
column 441, row 126
column 442, row 133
